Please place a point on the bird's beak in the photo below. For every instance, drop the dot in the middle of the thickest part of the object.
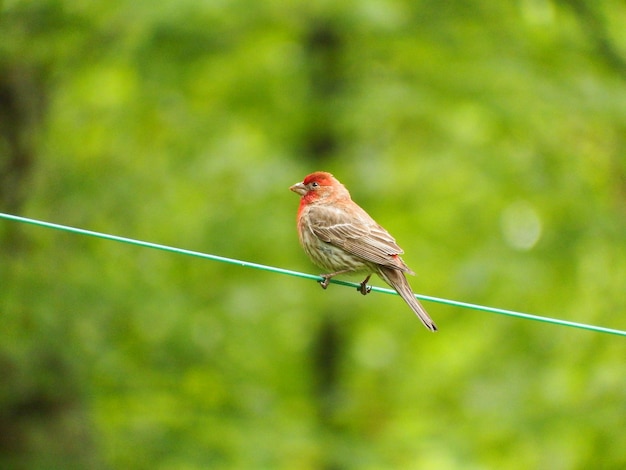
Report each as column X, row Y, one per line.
column 299, row 188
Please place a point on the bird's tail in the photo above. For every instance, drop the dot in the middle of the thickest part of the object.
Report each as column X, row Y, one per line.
column 395, row 278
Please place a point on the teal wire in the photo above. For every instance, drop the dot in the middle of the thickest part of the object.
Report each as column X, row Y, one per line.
column 247, row 264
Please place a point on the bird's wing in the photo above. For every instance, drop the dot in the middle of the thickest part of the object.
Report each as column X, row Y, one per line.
column 357, row 233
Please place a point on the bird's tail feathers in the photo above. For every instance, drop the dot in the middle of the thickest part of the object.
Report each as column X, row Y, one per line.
column 396, row 279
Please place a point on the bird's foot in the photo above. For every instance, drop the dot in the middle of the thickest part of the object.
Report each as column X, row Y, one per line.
column 363, row 287
column 327, row 277
column 325, row 282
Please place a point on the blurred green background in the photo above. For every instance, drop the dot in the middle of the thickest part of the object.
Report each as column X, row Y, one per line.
column 488, row 137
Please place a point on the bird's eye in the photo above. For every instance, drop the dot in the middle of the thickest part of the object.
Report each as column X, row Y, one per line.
column 314, row 184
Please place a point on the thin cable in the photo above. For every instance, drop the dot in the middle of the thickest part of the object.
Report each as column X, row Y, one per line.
column 247, row 264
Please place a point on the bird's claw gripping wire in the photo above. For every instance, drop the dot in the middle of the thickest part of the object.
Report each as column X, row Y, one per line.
column 363, row 287
column 324, row 283
column 327, row 277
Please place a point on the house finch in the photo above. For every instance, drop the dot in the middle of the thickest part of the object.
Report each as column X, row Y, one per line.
column 341, row 237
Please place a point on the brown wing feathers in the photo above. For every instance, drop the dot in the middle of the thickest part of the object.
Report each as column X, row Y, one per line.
column 362, row 237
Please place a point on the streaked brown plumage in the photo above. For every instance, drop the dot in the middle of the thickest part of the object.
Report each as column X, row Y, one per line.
column 341, row 237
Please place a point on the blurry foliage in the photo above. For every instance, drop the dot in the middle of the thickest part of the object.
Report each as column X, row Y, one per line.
column 489, row 138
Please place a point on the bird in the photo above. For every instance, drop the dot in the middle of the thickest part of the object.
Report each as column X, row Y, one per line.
column 340, row 237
